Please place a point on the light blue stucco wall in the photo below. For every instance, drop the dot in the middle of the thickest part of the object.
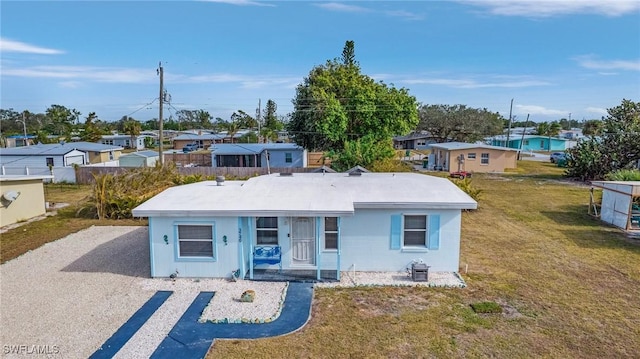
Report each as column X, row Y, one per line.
column 277, row 158
column 365, row 245
column 163, row 255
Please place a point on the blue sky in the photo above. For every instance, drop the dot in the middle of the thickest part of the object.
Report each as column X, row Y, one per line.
column 555, row 59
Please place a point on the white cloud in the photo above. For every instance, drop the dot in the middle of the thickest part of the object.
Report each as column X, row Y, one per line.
column 334, row 6
column 7, row 45
column 101, row 74
column 339, row 7
column 473, row 84
column 539, row 110
column 590, row 62
column 547, row 8
column 241, row 2
column 598, row 110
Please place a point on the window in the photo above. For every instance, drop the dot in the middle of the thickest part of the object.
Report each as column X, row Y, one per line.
column 267, row 230
column 108, row 142
column 49, row 161
column 331, row 233
column 415, row 231
column 471, row 156
column 484, row 159
column 110, row 155
column 195, row 241
column 288, row 158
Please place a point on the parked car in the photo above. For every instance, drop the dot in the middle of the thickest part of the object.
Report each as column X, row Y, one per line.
column 190, row 148
column 555, row 156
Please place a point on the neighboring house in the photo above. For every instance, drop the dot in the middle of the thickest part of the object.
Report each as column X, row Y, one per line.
column 620, row 203
column 530, row 142
column 413, row 141
column 21, row 198
column 258, row 155
column 98, row 153
column 124, row 141
column 201, row 140
column 43, row 155
column 319, row 222
column 139, row 159
column 472, row 157
column 58, row 154
column 19, row 140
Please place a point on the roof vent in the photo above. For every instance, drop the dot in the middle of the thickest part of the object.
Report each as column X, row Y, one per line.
column 219, row 180
column 355, row 174
column 286, row 174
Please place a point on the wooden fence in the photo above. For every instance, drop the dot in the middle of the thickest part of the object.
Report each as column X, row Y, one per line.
column 85, row 175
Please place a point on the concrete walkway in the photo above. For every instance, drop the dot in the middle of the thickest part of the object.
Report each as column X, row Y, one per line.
column 191, row 339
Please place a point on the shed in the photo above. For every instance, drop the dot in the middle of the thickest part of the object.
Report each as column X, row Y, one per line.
column 473, row 157
column 21, row 198
column 139, row 159
column 620, row 203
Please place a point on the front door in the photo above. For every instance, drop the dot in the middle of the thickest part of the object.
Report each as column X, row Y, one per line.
column 303, row 241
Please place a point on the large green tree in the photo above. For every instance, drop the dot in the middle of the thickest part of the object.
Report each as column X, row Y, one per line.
column 336, row 104
column 617, row 147
column 62, row 120
column 459, row 122
column 92, row 129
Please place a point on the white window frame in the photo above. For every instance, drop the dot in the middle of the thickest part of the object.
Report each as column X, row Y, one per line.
column 330, row 232
column 424, row 230
column 264, row 230
column 484, row 158
column 178, row 250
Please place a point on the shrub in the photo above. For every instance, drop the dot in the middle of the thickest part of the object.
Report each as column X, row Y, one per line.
column 468, row 188
column 624, row 175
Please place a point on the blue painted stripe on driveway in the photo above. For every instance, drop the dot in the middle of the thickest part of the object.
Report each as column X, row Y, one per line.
column 128, row 329
column 190, row 339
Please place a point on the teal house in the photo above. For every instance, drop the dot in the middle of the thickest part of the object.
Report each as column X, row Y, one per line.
column 530, row 142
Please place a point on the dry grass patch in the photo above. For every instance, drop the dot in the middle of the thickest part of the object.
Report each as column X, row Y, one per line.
column 569, row 287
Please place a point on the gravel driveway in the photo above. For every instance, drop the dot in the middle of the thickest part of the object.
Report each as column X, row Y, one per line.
column 68, row 297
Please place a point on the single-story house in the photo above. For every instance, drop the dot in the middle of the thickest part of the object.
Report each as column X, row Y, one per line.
column 530, row 142
column 97, row 152
column 139, row 159
column 318, row 222
column 43, row 155
column 413, row 141
column 19, row 140
column 276, row 155
column 620, row 203
column 472, row 157
column 201, row 140
column 21, row 198
column 124, row 141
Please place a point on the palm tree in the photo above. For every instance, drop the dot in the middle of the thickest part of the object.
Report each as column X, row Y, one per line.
column 548, row 129
column 132, row 128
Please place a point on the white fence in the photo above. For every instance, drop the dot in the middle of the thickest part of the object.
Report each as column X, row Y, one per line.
column 60, row 174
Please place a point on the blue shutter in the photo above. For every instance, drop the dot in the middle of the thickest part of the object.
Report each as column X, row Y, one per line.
column 434, row 231
column 396, row 231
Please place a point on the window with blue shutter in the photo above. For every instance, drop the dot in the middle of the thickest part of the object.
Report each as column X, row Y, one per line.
column 434, row 231
column 396, row 231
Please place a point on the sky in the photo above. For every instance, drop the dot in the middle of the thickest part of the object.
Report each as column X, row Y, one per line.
column 551, row 59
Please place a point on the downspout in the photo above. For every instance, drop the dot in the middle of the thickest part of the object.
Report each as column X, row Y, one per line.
column 339, row 251
column 318, row 271
column 241, row 247
column 250, row 239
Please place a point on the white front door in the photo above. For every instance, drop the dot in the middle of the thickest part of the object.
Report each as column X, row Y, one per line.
column 303, row 241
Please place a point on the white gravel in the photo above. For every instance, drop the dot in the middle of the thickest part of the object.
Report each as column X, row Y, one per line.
column 71, row 295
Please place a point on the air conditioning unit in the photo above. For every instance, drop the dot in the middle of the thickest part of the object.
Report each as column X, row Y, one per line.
column 420, row 272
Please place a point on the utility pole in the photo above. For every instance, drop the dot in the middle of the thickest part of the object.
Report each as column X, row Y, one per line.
column 509, row 127
column 160, row 125
column 24, row 127
column 526, row 123
column 258, row 110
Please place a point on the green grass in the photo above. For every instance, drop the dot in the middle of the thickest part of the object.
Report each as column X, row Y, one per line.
column 571, row 283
